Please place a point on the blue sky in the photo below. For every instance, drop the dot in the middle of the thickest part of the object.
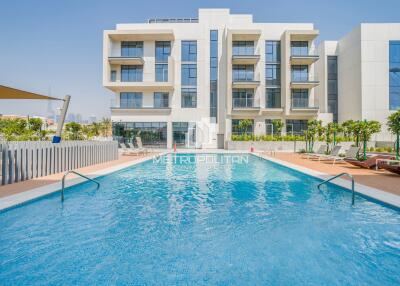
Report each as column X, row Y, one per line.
column 56, row 46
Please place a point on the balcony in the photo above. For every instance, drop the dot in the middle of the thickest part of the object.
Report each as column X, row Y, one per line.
column 303, row 106
column 245, row 59
column 246, row 105
column 304, row 81
column 148, row 110
column 125, row 60
column 304, row 58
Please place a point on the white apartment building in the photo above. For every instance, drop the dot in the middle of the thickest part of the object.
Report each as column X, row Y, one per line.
column 189, row 82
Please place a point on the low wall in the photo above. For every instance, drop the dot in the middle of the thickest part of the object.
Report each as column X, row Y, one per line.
column 291, row 146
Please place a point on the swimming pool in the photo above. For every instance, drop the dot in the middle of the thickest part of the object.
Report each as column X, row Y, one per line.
column 200, row 219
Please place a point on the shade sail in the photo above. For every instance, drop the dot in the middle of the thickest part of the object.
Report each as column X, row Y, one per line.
column 13, row 93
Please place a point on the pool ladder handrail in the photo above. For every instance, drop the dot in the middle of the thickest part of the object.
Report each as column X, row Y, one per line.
column 76, row 173
column 339, row 175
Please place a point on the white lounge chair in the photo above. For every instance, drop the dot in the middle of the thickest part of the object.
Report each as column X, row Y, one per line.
column 350, row 153
column 320, row 151
column 130, row 151
column 140, row 145
column 334, row 153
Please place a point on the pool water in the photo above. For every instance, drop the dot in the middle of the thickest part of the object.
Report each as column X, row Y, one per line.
column 198, row 221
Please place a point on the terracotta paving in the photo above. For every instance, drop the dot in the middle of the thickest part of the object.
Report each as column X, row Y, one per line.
column 379, row 179
column 16, row 188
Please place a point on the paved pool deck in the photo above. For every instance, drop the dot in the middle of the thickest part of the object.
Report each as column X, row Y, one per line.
column 379, row 179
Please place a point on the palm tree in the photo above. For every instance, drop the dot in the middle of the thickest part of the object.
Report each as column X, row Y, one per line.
column 394, row 127
column 364, row 130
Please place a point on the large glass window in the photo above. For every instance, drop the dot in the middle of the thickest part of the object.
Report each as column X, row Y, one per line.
column 151, row 133
column 113, row 75
column 394, row 75
column 273, row 98
column 299, row 48
column 272, row 51
column 295, row 127
column 184, row 134
column 189, row 97
column 243, row 97
column 238, row 129
column 270, row 128
column 131, row 100
column 189, row 75
column 163, row 51
column 299, row 73
column 243, row 72
column 332, row 87
column 243, row 48
column 300, row 98
column 161, row 72
column 131, row 49
column 161, row 99
column 214, row 74
column 189, row 51
column 132, row 73
column 272, row 75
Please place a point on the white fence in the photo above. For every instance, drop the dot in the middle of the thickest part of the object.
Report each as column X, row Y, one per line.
column 20, row 161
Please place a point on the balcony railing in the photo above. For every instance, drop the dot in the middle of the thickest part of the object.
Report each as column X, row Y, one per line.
column 302, row 103
column 243, row 103
column 304, row 78
column 164, row 103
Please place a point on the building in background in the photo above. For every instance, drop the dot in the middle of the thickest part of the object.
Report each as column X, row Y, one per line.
column 361, row 75
column 190, row 82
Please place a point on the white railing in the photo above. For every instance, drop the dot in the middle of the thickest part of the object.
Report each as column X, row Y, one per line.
column 25, row 160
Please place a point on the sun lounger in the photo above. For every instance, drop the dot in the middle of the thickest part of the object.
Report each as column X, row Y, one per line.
column 350, row 153
column 391, row 168
column 140, row 145
column 320, row 151
column 130, row 151
column 370, row 163
column 334, row 153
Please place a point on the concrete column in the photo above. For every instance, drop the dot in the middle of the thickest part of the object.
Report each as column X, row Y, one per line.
column 169, row 135
column 259, row 126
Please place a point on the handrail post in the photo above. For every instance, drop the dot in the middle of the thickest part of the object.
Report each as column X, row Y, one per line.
column 76, row 173
column 339, row 175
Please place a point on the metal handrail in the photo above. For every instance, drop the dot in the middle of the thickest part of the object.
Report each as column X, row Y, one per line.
column 339, row 175
column 76, row 173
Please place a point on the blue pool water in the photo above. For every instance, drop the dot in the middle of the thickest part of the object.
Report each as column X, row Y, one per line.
column 190, row 222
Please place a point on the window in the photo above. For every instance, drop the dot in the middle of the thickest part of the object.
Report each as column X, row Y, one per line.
column 214, row 74
column 243, row 72
column 272, row 51
column 184, row 134
column 163, row 51
column 273, row 75
column 151, row 133
column 131, row 49
column 300, row 98
column 161, row 99
column 270, row 128
column 189, row 75
column 189, row 97
column 332, row 87
column 300, row 73
column 296, row 127
column 189, row 51
column 242, row 97
column 237, row 129
column 394, row 75
column 113, row 75
column 243, row 48
column 132, row 73
column 273, row 98
column 299, row 48
column 161, row 72
column 131, row 99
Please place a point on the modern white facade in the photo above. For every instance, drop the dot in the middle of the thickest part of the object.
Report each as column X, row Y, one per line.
column 190, row 81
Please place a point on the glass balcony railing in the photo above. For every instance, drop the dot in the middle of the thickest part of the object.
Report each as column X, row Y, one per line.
column 161, row 104
column 302, row 103
column 304, row 78
column 243, row 103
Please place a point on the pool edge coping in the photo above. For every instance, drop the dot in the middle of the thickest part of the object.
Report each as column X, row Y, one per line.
column 35, row 193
